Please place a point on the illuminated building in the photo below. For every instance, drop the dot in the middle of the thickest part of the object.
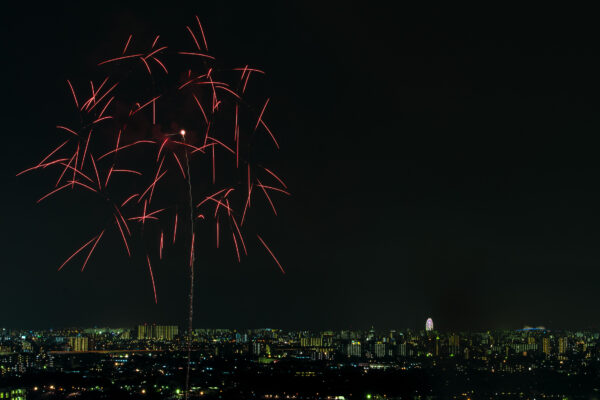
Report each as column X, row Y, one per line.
column 371, row 334
column 311, row 342
column 380, row 350
column 257, row 348
column 142, row 331
column 13, row 394
column 157, row 332
column 429, row 325
column 523, row 347
column 454, row 344
column 546, row 346
column 27, row 346
column 563, row 344
column 327, row 339
column 78, row 343
column 402, row 349
column 354, row 349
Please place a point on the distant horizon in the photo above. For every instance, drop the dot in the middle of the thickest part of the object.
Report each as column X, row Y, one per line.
column 436, row 329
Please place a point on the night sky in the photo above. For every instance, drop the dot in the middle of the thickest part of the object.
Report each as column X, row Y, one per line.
column 443, row 163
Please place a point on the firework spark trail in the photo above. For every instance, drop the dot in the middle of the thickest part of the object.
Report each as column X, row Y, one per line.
column 160, row 149
column 237, row 228
column 92, row 250
column 175, row 230
column 188, row 53
column 267, row 196
column 146, row 216
column 102, row 98
column 74, row 95
column 155, row 41
column 161, row 245
column 68, row 130
column 161, row 65
column 127, row 200
column 202, row 33
column 117, row 149
column 119, row 58
column 275, row 176
column 123, row 236
column 42, row 165
column 54, row 191
column 62, row 174
column 179, row 165
column 152, row 278
column 77, row 252
column 127, row 44
column 123, row 220
column 114, row 114
column 271, row 253
column 246, row 206
column 85, row 148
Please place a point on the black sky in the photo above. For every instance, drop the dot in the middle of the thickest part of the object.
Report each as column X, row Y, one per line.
column 443, row 163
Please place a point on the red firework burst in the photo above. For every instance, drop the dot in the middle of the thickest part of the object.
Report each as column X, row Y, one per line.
column 151, row 120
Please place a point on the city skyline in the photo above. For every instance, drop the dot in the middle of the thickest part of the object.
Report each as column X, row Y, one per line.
column 271, row 363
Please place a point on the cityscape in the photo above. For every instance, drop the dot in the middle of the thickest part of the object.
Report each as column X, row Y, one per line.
column 298, row 200
column 147, row 362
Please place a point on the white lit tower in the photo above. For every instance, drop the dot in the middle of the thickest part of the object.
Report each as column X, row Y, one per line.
column 429, row 325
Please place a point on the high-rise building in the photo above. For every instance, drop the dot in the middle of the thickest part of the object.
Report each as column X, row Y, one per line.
column 354, row 349
column 402, row 349
column 546, row 346
column 429, row 325
column 142, row 331
column 157, row 332
column 327, row 339
column 13, row 393
column 380, row 350
column 78, row 343
column 311, row 342
column 563, row 344
column 257, row 348
column 454, row 343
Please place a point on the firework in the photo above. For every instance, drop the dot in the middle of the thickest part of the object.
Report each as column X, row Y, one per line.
column 152, row 118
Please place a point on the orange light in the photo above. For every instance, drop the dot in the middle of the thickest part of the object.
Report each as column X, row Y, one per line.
column 182, row 132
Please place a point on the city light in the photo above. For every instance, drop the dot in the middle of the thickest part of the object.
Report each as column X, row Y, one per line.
column 149, row 351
